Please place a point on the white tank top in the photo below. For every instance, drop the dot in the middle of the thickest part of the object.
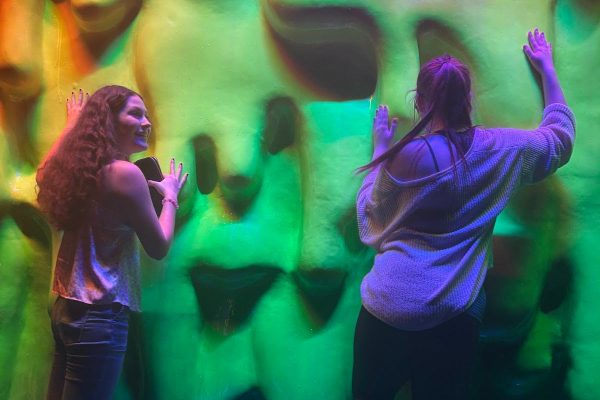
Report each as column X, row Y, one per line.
column 98, row 263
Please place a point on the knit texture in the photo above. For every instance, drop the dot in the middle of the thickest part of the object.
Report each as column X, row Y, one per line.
column 433, row 235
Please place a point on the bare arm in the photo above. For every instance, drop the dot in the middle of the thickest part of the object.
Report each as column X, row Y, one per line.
column 126, row 190
column 169, row 188
column 539, row 53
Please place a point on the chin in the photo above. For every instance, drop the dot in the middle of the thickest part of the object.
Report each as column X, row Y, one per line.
column 138, row 148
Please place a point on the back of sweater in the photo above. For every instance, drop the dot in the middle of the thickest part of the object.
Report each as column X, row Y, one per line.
column 433, row 235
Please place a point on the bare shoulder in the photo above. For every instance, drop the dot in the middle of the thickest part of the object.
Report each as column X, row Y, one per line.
column 414, row 148
column 122, row 177
column 405, row 165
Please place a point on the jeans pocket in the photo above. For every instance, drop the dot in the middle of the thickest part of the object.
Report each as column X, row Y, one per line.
column 68, row 318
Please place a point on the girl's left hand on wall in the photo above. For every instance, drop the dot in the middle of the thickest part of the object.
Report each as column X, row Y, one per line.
column 74, row 106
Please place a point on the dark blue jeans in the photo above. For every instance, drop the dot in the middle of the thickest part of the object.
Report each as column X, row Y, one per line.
column 90, row 344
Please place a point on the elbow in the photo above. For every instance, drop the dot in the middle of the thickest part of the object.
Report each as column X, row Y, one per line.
column 566, row 151
column 364, row 236
column 567, row 156
column 157, row 256
column 156, row 246
column 158, row 252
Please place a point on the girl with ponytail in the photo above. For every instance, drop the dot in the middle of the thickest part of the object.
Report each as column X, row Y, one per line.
column 101, row 202
column 443, row 95
column 427, row 206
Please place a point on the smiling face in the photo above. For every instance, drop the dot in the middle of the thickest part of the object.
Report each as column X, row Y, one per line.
column 133, row 126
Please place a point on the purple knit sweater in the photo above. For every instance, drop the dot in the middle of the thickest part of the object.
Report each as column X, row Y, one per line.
column 433, row 235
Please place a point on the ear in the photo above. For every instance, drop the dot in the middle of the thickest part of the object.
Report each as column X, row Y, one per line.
column 419, row 105
column 416, row 104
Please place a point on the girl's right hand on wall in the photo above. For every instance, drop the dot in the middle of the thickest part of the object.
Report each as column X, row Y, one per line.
column 383, row 130
column 539, row 51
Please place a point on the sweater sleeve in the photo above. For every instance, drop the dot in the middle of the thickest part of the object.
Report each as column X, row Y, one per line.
column 376, row 206
column 548, row 147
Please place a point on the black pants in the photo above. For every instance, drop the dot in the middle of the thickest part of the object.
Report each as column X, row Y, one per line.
column 437, row 361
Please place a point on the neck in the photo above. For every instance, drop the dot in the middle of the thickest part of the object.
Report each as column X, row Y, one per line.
column 437, row 125
column 434, row 126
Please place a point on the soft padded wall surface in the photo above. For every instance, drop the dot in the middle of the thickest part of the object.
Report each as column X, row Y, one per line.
column 269, row 105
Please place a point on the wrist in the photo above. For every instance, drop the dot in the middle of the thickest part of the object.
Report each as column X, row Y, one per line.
column 548, row 70
column 170, row 200
column 380, row 147
column 379, row 150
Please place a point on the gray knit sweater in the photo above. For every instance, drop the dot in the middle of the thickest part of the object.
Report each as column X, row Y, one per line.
column 433, row 235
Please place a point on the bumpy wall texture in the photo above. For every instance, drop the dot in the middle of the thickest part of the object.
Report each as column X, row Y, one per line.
column 269, row 104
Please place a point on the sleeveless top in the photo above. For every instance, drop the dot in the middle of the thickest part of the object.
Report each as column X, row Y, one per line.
column 98, row 263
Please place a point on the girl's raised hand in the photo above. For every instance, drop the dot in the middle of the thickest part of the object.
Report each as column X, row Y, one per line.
column 383, row 130
column 172, row 183
column 539, row 51
column 74, row 106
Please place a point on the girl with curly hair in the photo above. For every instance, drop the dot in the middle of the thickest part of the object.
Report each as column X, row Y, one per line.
column 428, row 207
column 88, row 189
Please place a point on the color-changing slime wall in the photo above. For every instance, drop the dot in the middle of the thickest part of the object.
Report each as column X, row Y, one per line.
column 269, row 105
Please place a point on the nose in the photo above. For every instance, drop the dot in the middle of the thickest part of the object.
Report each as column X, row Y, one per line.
column 146, row 123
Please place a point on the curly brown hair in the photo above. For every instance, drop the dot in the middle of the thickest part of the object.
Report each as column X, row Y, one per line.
column 68, row 181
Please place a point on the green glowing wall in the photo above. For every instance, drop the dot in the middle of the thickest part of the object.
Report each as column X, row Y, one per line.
column 269, row 105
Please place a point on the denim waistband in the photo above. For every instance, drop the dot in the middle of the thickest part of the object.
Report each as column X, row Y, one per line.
column 114, row 306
